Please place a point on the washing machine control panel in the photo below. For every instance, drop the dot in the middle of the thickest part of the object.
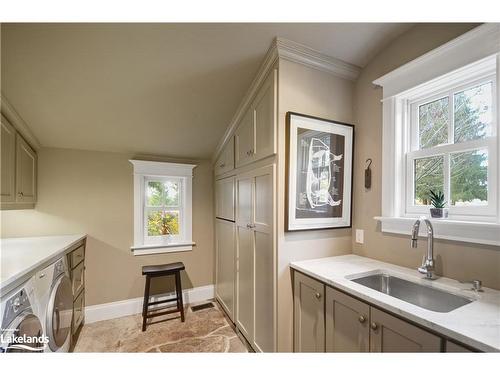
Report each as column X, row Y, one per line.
column 15, row 304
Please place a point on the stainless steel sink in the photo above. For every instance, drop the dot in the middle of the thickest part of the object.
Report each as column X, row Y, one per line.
column 424, row 296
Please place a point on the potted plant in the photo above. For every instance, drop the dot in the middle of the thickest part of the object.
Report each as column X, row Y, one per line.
column 437, row 200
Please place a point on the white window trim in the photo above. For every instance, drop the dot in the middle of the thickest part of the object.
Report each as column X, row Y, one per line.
column 144, row 170
column 477, row 53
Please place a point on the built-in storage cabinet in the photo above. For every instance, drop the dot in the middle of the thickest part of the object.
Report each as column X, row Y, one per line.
column 8, row 162
column 255, row 136
column 225, row 162
column 76, row 261
column 19, row 170
column 225, row 198
column 255, row 257
column 225, row 237
column 309, row 318
column 389, row 334
column 346, row 324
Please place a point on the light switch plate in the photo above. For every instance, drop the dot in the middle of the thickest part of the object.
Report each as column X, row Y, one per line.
column 360, row 236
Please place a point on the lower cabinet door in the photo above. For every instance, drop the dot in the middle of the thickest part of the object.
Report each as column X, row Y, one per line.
column 346, row 323
column 245, row 283
column 392, row 335
column 225, row 272
column 309, row 315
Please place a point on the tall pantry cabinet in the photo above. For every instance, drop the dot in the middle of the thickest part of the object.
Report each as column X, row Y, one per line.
column 245, row 185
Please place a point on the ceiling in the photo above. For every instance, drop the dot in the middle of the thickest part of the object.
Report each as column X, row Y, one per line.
column 163, row 89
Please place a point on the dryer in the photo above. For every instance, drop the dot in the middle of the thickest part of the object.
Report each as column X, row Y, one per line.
column 54, row 297
column 21, row 328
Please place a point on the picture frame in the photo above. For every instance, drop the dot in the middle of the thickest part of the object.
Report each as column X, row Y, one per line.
column 319, row 173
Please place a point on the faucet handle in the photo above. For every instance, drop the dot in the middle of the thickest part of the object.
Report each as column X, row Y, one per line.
column 477, row 285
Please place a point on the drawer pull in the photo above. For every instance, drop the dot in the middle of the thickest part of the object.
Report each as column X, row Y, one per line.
column 318, row 295
column 374, row 326
column 362, row 319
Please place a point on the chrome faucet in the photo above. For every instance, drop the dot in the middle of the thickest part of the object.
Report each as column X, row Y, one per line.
column 427, row 267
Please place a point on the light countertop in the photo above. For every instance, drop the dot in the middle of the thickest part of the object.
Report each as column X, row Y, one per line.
column 22, row 257
column 476, row 324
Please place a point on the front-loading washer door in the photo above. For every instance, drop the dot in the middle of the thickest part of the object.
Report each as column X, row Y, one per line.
column 60, row 312
column 25, row 326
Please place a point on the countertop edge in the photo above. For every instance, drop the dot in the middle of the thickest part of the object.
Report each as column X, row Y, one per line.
column 404, row 314
column 7, row 285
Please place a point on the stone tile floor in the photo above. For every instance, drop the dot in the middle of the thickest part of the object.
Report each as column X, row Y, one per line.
column 206, row 331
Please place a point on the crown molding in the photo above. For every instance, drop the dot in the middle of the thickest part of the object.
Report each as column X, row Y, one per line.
column 17, row 121
column 291, row 51
column 481, row 42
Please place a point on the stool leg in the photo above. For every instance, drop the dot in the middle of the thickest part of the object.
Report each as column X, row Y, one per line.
column 145, row 304
column 178, row 288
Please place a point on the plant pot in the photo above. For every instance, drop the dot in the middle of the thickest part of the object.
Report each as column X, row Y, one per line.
column 439, row 212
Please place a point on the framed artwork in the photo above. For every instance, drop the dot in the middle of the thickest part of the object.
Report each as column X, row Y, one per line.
column 319, row 173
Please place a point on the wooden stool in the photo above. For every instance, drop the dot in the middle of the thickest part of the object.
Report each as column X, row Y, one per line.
column 162, row 270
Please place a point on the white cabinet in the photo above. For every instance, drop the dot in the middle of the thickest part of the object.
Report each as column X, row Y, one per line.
column 226, row 258
column 25, row 171
column 224, row 198
column 8, row 163
column 225, row 162
column 255, row 259
column 255, row 136
column 18, row 170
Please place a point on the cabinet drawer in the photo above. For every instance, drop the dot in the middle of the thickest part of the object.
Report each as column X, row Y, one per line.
column 77, row 256
column 77, row 278
column 78, row 313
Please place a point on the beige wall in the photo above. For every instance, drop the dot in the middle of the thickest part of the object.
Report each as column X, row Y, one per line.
column 454, row 259
column 92, row 192
column 316, row 93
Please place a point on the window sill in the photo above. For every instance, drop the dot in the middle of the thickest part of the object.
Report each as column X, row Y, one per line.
column 162, row 248
column 446, row 229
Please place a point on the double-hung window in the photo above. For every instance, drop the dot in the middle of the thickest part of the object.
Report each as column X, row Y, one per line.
column 452, row 149
column 162, row 207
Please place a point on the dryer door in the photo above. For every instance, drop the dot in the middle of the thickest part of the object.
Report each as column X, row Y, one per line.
column 25, row 326
column 60, row 312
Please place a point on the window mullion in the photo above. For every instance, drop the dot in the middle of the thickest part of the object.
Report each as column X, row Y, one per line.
column 446, row 178
column 451, row 119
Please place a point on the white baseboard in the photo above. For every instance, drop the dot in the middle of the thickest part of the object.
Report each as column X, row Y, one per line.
column 105, row 311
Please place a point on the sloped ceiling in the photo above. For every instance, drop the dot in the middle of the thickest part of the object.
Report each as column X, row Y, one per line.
column 165, row 89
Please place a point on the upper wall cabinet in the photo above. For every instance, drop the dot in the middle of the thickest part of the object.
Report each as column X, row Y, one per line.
column 225, row 162
column 255, row 136
column 19, row 170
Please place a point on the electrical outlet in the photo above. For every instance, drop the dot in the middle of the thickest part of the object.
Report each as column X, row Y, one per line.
column 360, row 236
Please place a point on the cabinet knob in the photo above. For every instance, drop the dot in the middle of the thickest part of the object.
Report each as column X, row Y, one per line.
column 374, row 326
column 222, row 165
column 318, row 295
column 20, row 194
column 362, row 319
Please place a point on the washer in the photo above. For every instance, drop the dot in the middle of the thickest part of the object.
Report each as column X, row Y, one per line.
column 54, row 298
column 19, row 321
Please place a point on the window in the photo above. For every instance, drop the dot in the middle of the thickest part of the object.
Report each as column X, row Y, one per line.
column 162, row 207
column 441, row 133
column 451, row 137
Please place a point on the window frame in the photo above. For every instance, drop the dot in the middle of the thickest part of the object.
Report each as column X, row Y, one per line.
column 412, row 152
column 145, row 171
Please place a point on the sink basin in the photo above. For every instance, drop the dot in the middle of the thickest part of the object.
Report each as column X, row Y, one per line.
column 423, row 296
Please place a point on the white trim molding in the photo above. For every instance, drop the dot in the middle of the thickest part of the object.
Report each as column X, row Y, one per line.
column 17, row 121
column 118, row 309
column 454, row 230
column 472, row 56
column 292, row 51
column 144, row 170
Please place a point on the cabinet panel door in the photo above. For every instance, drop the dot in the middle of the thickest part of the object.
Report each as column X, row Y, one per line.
column 265, row 118
column 244, row 201
column 347, row 323
column 8, row 162
column 224, row 198
column 389, row 334
column 225, row 162
column 245, row 282
column 244, row 139
column 309, row 318
column 25, row 171
column 225, row 273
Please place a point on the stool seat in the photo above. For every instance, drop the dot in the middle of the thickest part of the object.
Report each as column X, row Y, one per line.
column 162, row 268
column 156, row 271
